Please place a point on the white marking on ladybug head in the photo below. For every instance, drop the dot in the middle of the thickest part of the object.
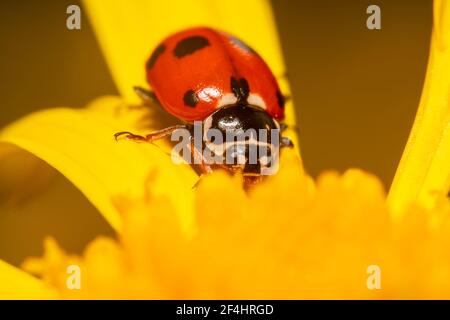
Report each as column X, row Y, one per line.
column 256, row 100
column 208, row 94
column 227, row 99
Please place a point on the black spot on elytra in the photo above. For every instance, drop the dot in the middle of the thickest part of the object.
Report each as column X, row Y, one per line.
column 240, row 89
column 155, row 55
column 281, row 100
column 190, row 45
column 190, row 98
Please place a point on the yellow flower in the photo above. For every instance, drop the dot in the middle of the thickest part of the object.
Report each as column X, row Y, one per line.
column 289, row 237
column 262, row 244
column 423, row 175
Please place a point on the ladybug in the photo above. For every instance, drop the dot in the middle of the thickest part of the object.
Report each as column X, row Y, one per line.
column 208, row 76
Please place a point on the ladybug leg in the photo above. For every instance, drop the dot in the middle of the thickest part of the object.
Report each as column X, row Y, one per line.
column 128, row 136
column 198, row 158
column 150, row 137
column 286, row 143
column 250, row 181
column 284, row 126
column 146, row 95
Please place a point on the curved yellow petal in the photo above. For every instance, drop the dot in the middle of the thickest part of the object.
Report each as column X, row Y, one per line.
column 128, row 31
column 80, row 144
column 423, row 175
column 17, row 284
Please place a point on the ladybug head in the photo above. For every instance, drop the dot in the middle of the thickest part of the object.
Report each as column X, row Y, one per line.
column 245, row 136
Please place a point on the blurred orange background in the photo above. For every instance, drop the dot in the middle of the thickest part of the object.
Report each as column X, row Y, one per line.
column 356, row 92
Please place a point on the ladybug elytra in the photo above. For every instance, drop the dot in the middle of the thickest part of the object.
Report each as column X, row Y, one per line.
column 204, row 75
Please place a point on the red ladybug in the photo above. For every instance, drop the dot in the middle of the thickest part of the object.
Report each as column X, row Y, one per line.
column 202, row 74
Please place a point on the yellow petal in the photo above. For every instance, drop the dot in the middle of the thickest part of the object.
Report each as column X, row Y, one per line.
column 80, row 144
column 17, row 284
column 423, row 175
column 128, row 31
